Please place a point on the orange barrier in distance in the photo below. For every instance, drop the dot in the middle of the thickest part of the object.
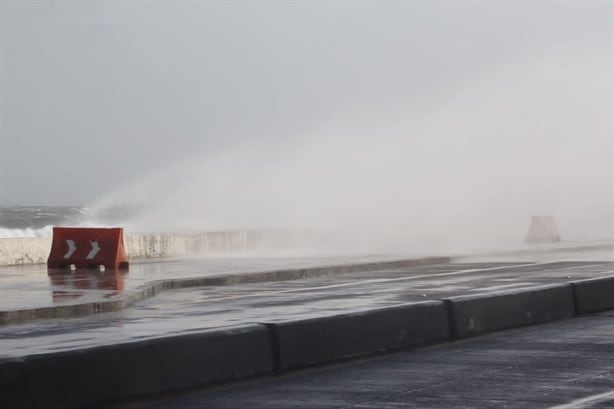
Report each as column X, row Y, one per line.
column 543, row 229
column 88, row 247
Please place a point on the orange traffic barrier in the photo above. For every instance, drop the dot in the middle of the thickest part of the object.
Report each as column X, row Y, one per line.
column 543, row 229
column 88, row 247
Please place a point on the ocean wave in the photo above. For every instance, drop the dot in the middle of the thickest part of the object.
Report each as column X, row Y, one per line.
column 7, row 233
column 46, row 231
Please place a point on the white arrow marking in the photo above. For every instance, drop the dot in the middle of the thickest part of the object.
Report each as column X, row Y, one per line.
column 95, row 249
column 71, row 248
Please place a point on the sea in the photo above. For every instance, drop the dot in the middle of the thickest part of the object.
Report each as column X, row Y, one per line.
column 38, row 221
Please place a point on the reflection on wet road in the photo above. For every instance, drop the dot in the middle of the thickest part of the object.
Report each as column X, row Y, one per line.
column 70, row 285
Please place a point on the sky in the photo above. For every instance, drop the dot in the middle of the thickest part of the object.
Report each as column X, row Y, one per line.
column 374, row 115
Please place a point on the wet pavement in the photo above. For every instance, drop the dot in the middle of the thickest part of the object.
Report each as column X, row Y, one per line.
column 562, row 365
column 33, row 286
column 188, row 310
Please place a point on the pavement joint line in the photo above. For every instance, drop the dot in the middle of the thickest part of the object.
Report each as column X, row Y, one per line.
column 275, row 351
column 452, row 330
column 574, row 299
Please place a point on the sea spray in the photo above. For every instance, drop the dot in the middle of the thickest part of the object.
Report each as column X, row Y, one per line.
column 531, row 138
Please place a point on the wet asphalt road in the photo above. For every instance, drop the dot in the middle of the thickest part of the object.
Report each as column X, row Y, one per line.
column 565, row 365
column 188, row 310
column 31, row 286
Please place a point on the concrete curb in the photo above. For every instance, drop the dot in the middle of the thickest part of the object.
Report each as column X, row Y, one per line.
column 593, row 295
column 319, row 340
column 149, row 290
column 127, row 371
column 474, row 314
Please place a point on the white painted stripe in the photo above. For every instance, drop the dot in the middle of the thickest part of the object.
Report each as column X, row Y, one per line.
column 586, row 402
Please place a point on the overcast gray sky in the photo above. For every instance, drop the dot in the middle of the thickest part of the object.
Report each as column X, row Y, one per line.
column 96, row 92
column 422, row 115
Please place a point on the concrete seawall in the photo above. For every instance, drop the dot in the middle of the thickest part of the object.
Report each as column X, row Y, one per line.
column 35, row 250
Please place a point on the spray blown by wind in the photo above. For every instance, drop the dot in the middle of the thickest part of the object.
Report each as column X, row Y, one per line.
column 530, row 139
column 385, row 133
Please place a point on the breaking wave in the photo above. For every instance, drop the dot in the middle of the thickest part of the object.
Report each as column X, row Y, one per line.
column 6, row 233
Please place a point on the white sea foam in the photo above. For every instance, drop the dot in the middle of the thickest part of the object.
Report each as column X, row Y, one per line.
column 6, row 233
column 46, row 231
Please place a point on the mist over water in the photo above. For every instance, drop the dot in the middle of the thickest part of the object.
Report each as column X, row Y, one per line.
column 532, row 138
column 379, row 126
